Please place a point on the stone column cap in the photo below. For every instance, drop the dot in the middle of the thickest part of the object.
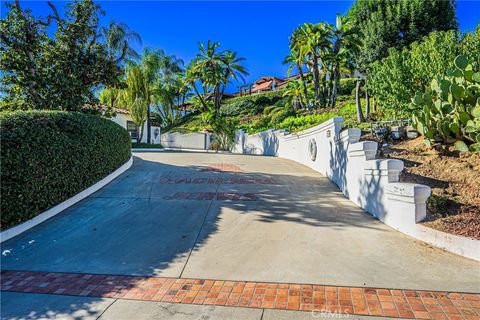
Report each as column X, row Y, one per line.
column 384, row 164
column 408, row 190
column 367, row 149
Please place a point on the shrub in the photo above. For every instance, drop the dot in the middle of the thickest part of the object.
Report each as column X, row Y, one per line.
column 395, row 79
column 223, row 132
column 278, row 114
column 299, row 123
column 347, row 86
column 449, row 110
column 49, row 156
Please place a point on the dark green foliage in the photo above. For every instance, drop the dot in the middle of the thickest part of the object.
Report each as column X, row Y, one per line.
column 147, row 145
column 240, row 107
column 397, row 23
column 395, row 79
column 278, row 114
column 49, row 156
column 45, row 68
column 252, row 104
column 448, row 112
column 347, row 86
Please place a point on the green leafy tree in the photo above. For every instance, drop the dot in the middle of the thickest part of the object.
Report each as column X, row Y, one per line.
column 61, row 71
column 136, row 96
column 395, row 79
column 397, row 23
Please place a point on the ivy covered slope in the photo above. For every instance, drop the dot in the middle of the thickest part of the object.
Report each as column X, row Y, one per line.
column 49, row 156
column 448, row 112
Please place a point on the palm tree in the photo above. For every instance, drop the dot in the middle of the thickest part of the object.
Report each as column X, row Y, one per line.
column 294, row 94
column 294, row 59
column 232, row 70
column 151, row 64
column 346, row 44
column 313, row 42
column 118, row 38
column 213, row 70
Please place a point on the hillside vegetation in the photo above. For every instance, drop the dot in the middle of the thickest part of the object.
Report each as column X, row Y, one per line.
column 263, row 111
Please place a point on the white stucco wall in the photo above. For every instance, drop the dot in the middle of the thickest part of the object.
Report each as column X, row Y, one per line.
column 196, row 140
column 122, row 119
column 371, row 183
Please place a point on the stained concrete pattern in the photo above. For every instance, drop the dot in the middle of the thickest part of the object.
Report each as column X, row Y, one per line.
column 301, row 229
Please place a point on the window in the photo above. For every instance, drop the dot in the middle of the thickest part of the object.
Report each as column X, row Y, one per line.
column 132, row 129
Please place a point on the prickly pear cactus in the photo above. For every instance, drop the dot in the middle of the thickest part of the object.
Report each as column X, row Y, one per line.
column 448, row 112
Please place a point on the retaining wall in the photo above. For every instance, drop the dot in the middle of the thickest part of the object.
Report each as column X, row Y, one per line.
column 371, row 183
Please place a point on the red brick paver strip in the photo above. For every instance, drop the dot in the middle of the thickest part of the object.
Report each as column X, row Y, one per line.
column 222, row 167
column 302, row 297
column 217, row 180
column 219, row 196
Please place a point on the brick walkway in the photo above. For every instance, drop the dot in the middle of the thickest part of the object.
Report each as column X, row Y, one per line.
column 347, row 300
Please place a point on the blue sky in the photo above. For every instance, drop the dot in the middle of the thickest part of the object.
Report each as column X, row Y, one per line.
column 257, row 30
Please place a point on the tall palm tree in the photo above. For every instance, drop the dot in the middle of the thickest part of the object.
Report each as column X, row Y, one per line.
column 294, row 59
column 118, row 37
column 346, row 44
column 294, row 94
column 213, row 70
column 313, row 42
column 151, row 64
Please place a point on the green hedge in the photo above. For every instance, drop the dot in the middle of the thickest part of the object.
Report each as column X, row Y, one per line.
column 49, row 156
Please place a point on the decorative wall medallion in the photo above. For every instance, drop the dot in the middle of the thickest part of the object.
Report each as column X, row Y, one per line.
column 312, row 149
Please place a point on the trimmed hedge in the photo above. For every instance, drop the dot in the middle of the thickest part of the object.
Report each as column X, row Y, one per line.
column 49, row 156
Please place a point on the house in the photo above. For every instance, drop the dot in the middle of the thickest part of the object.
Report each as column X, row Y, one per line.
column 123, row 118
column 265, row 84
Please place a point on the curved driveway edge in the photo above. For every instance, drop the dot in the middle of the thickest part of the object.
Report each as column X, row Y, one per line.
column 15, row 231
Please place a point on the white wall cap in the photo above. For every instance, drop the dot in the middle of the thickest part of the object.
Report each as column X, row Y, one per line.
column 333, row 123
column 408, row 190
column 351, row 135
column 384, row 164
column 366, row 149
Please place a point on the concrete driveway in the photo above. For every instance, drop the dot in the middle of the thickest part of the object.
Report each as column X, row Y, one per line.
column 230, row 217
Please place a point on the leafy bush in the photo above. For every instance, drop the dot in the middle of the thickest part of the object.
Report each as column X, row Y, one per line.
column 223, row 132
column 395, row 79
column 449, row 110
column 279, row 114
column 49, row 156
column 347, row 86
column 299, row 123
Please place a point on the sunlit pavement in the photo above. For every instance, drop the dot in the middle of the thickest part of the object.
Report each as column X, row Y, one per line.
column 239, row 219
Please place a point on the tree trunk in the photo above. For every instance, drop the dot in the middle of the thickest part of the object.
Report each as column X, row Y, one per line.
column 335, row 88
column 140, row 136
column 305, row 90
column 316, row 79
column 374, row 104
column 367, row 103
column 149, row 134
column 358, row 103
column 111, row 102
